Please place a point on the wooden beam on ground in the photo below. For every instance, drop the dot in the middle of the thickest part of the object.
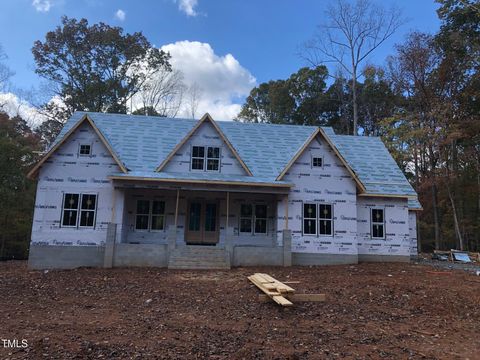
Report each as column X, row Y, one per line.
column 272, row 288
column 296, row 297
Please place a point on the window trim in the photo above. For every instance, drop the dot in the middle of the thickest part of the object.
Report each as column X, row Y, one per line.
column 309, row 218
column 316, row 157
column 377, row 223
column 63, row 211
column 80, row 148
column 94, row 211
column 150, row 216
column 261, row 218
column 250, row 218
column 253, row 219
column 79, row 211
column 205, row 158
column 197, row 157
column 331, row 219
column 209, row 158
column 163, row 216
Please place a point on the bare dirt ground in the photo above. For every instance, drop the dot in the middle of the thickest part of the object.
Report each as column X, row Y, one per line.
column 392, row 311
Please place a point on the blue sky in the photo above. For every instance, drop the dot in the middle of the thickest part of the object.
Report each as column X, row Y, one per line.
column 262, row 36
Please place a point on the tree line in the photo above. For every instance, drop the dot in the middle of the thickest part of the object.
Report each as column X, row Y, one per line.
column 423, row 102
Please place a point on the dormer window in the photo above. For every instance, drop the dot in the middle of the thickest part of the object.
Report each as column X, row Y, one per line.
column 198, row 157
column 205, row 158
column 213, row 158
column 317, row 162
column 85, row 150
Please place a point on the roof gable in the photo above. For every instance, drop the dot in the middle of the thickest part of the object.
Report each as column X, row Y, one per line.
column 300, row 151
column 62, row 138
column 205, row 118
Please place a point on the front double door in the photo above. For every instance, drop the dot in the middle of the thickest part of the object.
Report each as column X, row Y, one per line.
column 202, row 223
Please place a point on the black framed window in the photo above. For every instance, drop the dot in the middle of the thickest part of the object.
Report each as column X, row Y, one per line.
column 198, row 157
column 158, row 215
column 260, row 219
column 309, row 219
column 79, row 210
column 85, row 149
column 317, row 161
column 87, row 210
column 378, row 223
column 142, row 216
column 213, row 158
column 246, row 214
column 325, row 219
column 71, row 203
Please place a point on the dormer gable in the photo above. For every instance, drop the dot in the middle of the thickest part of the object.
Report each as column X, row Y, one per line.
column 205, row 149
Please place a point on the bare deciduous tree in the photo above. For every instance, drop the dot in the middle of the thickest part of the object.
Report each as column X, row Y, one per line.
column 194, row 95
column 163, row 94
column 349, row 35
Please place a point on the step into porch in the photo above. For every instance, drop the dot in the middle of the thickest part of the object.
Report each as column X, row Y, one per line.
column 199, row 257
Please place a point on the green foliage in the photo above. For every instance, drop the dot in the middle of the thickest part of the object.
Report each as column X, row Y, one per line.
column 17, row 193
column 148, row 111
column 97, row 67
column 299, row 100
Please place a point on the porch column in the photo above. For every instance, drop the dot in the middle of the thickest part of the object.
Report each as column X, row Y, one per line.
column 287, row 239
column 172, row 233
column 228, row 235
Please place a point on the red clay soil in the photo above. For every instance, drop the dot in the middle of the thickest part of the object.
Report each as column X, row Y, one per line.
column 392, row 311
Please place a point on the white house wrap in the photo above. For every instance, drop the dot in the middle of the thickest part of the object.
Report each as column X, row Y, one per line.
column 122, row 190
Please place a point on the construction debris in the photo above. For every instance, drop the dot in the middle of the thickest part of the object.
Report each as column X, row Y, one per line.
column 456, row 255
column 279, row 292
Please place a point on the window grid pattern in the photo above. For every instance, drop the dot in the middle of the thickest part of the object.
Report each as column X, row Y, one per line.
column 378, row 223
column 85, row 149
column 205, row 158
column 317, row 161
column 150, row 215
column 79, row 210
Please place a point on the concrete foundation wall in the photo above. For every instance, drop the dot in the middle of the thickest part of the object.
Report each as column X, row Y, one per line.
column 65, row 257
column 383, row 258
column 140, row 255
column 306, row 259
column 257, row 256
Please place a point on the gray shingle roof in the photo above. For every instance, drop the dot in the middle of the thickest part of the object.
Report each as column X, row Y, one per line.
column 143, row 142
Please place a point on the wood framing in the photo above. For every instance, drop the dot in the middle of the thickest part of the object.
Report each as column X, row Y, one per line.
column 332, row 146
column 105, row 142
column 204, row 118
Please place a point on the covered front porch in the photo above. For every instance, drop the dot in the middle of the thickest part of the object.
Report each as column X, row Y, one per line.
column 182, row 224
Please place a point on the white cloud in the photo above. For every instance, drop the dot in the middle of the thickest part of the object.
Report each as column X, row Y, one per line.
column 188, row 7
column 222, row 80
column 120, row 15
column 13, row 106
column 42, row 5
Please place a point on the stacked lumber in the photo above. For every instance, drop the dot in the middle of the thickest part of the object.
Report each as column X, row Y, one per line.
column 279, row 292
column 272, row 288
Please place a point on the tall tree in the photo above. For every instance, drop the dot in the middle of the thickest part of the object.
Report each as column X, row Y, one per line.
column 162, row 95
column 17, row 193
column 96, row 67
column 300, row 99
column 349, row 35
